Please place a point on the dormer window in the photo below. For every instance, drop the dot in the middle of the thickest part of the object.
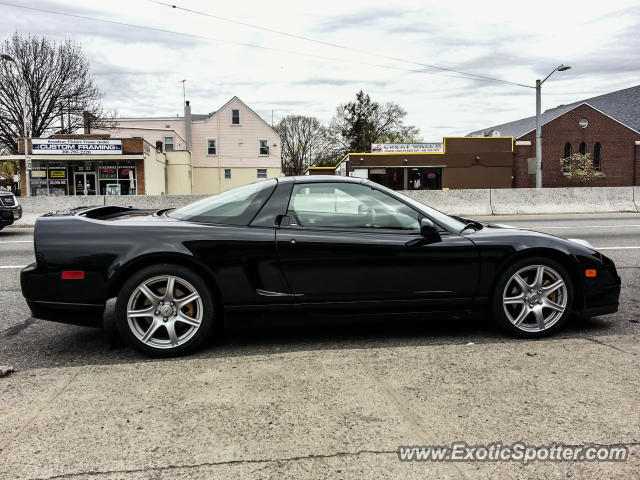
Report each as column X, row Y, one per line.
column 235, row 116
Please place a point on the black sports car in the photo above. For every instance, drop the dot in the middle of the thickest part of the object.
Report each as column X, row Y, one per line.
column 328, row 245
column 10, row 209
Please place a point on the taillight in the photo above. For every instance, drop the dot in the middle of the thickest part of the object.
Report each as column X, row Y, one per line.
column 73, row 275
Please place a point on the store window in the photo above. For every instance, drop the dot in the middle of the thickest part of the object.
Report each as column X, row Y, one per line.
column 392, row 178
column 428, row 178
column 168, row 144
column 263, row 147
column 262, row 173
column 211, row 146
column 235, row 116
column 117, row 178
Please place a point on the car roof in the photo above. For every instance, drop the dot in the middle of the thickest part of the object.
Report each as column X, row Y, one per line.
column 319, row 179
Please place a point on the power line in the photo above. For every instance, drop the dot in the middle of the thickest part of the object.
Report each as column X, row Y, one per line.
column 231, row 42
column 336, row 45
column 204, row 37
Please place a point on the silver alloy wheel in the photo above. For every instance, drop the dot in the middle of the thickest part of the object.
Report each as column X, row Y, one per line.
column 164, row 311
column 535, row 298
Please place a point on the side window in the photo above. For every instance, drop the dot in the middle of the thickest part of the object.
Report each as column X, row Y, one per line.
column 347, row 205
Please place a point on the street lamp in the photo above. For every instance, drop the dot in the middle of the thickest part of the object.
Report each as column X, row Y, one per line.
column 560, row 68
column 27, row 161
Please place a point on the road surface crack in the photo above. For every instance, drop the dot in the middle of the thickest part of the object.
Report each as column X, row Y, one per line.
column 600, row 342
column 215, row 464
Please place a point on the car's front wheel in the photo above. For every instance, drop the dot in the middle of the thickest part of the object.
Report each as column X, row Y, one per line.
column 165, row 310
column 533, row 297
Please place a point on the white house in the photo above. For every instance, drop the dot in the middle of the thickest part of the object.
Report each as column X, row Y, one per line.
column 230, row 147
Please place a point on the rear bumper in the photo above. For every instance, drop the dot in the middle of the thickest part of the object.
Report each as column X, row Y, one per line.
column 85, row 315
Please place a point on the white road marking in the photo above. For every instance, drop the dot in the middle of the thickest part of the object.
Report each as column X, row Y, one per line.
column 12, row 266
column 541, row 227
column 4, row 242
column 616, row 248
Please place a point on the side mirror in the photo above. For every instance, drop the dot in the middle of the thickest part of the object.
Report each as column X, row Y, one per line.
column 429, row 231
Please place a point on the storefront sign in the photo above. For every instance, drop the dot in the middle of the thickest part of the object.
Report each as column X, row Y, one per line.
column 108, row 172
column 63, row 146
column 60, row 173
column 38, row 174
column 407, row 147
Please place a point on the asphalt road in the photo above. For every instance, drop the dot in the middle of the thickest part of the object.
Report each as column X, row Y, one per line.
column 337, row 395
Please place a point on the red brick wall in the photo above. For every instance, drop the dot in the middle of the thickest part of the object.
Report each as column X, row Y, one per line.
column 620, row 157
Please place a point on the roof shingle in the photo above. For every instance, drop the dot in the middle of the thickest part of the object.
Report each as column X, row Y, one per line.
column 622, row 105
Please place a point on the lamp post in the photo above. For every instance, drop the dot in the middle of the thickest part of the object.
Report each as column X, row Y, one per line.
column 27, row 163
column 560, row 68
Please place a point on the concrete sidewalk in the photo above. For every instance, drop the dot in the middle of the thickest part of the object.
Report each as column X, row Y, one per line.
column 324, row 414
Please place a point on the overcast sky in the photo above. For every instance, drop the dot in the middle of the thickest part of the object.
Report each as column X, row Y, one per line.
column 139, row 70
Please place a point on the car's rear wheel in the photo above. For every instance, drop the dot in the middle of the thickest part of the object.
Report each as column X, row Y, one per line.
column 165, row 310
column 533, row 297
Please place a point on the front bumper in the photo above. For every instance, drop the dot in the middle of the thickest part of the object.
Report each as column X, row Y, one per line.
column 601, row 295
column 8, row 215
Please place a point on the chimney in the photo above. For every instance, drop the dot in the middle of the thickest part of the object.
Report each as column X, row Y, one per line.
column 187, row 124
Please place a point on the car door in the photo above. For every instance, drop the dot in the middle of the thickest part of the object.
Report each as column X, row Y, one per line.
column 345, row 245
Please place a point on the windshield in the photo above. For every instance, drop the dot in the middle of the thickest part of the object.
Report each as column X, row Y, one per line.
column 437, row 216
column 233, row 207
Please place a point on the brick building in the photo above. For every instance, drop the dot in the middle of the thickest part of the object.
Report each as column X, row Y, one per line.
column 607, row 127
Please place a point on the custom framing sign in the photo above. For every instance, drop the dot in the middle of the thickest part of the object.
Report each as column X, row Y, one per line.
column 63, row 146
column 407, row 147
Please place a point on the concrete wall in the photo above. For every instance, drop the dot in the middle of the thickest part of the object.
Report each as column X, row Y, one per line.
column 454, row 202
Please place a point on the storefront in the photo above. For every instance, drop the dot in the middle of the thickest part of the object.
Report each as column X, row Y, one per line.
column 84, row 166
column 454, row 163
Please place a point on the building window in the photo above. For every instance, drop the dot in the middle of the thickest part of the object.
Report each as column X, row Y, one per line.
column 262, row 173
column 211, row 146
column 168, row 144
column 566, row 163
column 264, row 146
column 235, row 116
column 567, row 150
column 227, row 174
column 597, row 157
column 583, row 148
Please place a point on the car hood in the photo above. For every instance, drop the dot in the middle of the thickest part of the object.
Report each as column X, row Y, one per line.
column 500, row 232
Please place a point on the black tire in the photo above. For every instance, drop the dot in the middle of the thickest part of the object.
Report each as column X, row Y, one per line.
column 192, row 336
column 500, row 310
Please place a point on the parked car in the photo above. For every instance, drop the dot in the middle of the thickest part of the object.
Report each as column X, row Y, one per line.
column 10, row 209
column 327, row 245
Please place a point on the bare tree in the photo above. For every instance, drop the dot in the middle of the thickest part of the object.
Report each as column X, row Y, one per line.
column 58, row 86
column 304, row 143
column 581, row 168
column 358, row 124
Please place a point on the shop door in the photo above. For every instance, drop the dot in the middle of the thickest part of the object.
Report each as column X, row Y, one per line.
column 85, row 183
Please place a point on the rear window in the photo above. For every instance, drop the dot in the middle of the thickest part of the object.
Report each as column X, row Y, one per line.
column 234, row 207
